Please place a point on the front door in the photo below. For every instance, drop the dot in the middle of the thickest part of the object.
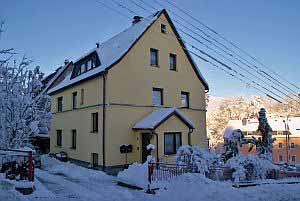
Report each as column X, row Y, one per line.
column 145, row 141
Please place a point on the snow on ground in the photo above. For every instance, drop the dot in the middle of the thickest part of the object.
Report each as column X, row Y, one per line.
column 194, row 187
column 68, row 182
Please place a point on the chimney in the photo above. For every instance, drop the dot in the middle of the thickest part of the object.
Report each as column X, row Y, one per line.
column 66, row 61
column 136, row 19
column 97, row 45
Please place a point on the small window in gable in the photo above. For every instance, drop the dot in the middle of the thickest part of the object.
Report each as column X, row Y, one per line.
column 172, row 60
column 163, row 28
column 154, row 57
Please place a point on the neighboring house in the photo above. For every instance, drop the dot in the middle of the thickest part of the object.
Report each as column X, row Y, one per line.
column 285, row 130
column 139, row 87
column 41, row 141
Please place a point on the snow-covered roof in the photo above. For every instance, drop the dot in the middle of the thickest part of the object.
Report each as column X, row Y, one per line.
column 277, row 124
column 156, row 117
column 111, row 51
column 57, row 74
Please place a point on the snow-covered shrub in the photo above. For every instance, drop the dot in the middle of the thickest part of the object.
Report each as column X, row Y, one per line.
column 24, row 109
column 199, row 159
column 249, row 167
column 232, row 140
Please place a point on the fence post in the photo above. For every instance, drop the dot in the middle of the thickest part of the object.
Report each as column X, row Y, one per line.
column 30, row 168
column 150, row 172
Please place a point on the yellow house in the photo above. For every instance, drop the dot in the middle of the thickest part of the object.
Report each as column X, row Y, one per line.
column 139, row 87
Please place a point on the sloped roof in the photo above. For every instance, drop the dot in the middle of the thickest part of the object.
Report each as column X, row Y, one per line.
column 114, row 49
column 57, row 73
column 277, row 124
column 155, row 118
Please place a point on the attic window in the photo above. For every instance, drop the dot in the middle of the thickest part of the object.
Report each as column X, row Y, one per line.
column 85, row 64
column 163, row 28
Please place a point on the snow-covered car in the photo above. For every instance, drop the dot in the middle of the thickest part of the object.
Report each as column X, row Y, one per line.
column 62, row 156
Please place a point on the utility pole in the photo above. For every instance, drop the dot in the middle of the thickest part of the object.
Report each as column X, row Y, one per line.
column 287, row 139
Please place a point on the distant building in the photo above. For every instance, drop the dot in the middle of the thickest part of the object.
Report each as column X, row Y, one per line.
column 285, row 130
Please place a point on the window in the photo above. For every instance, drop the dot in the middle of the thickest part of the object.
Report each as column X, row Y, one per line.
column 185, row 99
column 294, row 158
column 58, row 138
column 279, row 133
column 172, row 60
column 280, row 145
column 74, row 98
column 292, row 145
column 74, row 135
column 94, row 159
column 280, row 158
column 163, row 28
column 83, row 67
column 81, row 96
column 85, row 64
column 172, row 141
column 153, row 57
column 89, row 65
column 157, row 96
column 95, row 122
column 59, row 104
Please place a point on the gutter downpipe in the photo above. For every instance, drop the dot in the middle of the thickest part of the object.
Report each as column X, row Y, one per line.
column 154, row 133
column 103, row 119
column 191, row 130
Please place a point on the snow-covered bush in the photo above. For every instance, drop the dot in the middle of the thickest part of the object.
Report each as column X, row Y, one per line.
column 199, row 159
column 249, row 167
column 232, row 140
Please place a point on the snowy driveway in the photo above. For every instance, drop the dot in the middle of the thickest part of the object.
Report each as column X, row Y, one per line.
column 68, row 182
column 65, row 188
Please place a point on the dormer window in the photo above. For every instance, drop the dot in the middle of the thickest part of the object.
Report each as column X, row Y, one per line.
column 89, row 64
column 83, row 65
column 83, row 68
column 163, row 28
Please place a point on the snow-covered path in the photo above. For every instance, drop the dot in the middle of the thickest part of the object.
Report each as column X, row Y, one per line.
column 65, row 188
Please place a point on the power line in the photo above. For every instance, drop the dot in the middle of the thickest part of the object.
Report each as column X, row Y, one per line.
column 124, row 7
column 225, row 65
column 230, row 42
column 132, row 1
column 111, row 8
column 240, row 59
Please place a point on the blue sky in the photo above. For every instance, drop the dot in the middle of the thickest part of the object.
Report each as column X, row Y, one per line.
column 51, row 31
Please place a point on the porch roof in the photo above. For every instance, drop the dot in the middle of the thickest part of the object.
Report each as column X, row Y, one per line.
column 157, row 117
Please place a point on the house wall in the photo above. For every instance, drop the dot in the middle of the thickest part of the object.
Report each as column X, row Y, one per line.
column 277, row 151
column 129, row 96
column 173, row 124
column 79, row 119
column 131, row 81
